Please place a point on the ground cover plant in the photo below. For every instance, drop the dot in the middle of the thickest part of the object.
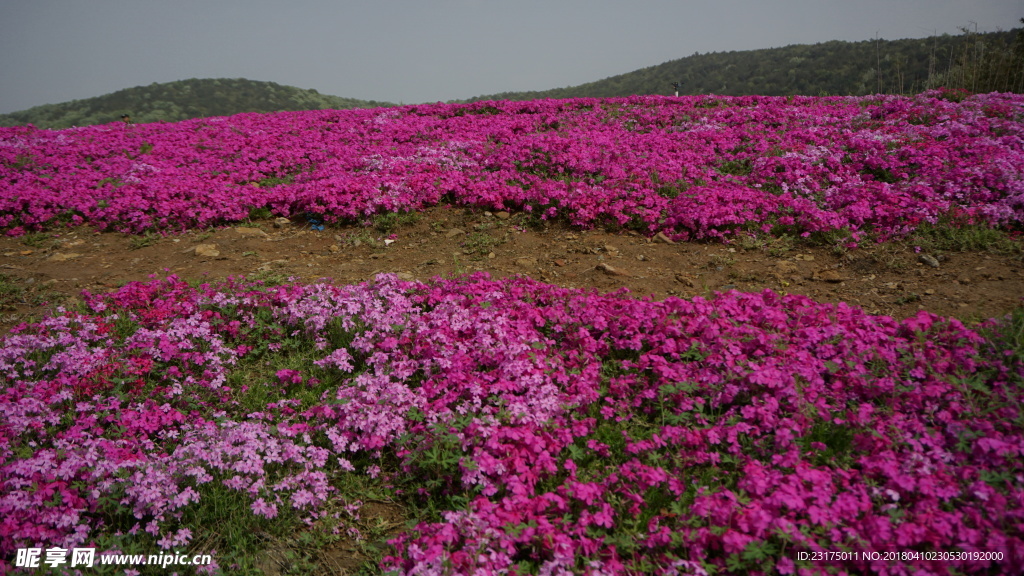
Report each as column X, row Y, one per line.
column 692, row 167
column 526, row 428
column 521, row 427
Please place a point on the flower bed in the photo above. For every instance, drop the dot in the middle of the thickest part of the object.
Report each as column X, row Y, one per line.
column 693, row 167
column 527, row 428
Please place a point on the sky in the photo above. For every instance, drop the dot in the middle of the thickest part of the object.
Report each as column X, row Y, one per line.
column 414, row 51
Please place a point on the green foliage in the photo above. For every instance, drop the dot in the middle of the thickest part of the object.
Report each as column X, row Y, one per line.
column 391, row 221
column 181, row 100
column 13, row 293
column 1006, row 344
column 835, row 68
column 479, row 244
column 951, row 236
column 984, row 63
column 838, row 441
column 10, row 292
column 736, row 167
column 37, row 240
column 261, row 213
column 147, row 239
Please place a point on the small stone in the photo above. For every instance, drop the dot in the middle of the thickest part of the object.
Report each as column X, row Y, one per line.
column 784, row 267
column 559, row 262
column 611, row 271
column 207, row 250
column 661, row 237
column 405, row 276
column 488, row 214
column 25, row 252
column 492, row 255
column 63, row 257
column 503, row 215
column 282, row 222
column 526, row 262
column 249, row 232
column 929, row 291
column 929, row 260
column 964, row 280
column 274, row 264
column 828, row 276
column 729, row 287
column 454, row 232
column 685, row 280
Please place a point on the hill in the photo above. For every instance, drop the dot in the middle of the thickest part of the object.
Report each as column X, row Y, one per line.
column 181, row 100
column 834, row 68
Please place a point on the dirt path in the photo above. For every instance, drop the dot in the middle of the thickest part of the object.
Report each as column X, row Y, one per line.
column 41, row 270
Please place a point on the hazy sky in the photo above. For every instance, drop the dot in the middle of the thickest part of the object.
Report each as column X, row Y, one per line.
column 415, row 51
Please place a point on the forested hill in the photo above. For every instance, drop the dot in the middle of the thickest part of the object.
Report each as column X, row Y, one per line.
column 836, row 68
column 173, row 101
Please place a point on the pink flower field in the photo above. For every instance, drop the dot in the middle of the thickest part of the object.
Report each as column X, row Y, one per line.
column 533, row 428
column 522, row 427
column 693, row 167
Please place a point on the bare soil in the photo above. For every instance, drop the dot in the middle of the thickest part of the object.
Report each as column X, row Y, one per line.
column 46, row 269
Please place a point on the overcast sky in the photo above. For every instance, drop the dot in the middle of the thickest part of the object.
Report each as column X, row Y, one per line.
column 414, row 51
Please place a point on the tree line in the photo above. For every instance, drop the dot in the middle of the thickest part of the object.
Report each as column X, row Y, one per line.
column 181, row 100
column 977, row 62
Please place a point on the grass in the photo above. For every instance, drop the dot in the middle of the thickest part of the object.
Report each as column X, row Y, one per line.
column 391, row 221
column 890, row 256
column 362, row 237
column 13, row 294
column 774, row 246
column 1006, row 340
column 262, row 213
column 716, row 260
column 480, row 244
column 944, row 237
column 147, row 239
column 37, row 240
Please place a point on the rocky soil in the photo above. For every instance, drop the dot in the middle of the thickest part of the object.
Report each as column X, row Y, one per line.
column 48, row 269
